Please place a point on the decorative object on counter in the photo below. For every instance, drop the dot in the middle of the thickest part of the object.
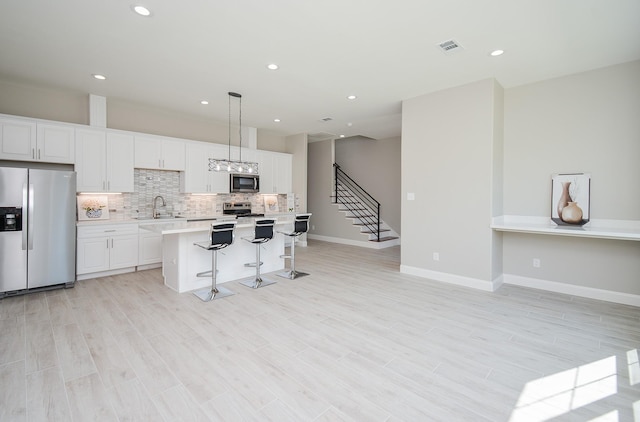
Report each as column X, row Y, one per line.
column 93, row 207
column 229, row 165
column 271, row 204
column 570, row 198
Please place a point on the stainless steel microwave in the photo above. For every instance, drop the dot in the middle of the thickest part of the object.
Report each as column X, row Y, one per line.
column 248, row 183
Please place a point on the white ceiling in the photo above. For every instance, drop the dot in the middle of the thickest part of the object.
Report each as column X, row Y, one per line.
column 383, row 51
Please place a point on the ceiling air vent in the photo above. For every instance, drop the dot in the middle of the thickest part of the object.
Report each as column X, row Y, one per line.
column 326, row 119
column 450, row 46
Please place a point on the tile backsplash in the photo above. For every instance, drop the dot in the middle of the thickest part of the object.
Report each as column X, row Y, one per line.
column 150, row 183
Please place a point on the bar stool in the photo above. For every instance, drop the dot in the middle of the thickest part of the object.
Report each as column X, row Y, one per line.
column 300, row 226
column 220, row 236
column 263, row 234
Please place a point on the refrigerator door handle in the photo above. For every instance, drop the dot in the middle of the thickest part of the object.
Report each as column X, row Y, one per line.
column 30, row 218
column 25, row 203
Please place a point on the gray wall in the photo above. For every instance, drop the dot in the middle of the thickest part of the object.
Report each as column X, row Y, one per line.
column 587, row 122
column 450, row 142
column 375, row 165
column 465, row 166
column 326, row 220
column 73, row 107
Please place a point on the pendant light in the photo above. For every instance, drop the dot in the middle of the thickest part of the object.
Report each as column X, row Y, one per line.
column 229, row 165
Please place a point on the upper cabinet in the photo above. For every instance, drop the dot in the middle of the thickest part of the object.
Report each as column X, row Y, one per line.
column 157, row 152
column 197, row 178
column 104, row 161
column 27, row 140
column 275, row 172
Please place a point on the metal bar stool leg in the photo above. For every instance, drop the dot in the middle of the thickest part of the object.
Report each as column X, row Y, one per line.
column 263, row 233
column 292, row 274
column 257, row 281
column 207, row 294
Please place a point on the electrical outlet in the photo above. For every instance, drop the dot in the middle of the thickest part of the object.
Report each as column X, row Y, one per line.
column 536, row 263
column 436, row 256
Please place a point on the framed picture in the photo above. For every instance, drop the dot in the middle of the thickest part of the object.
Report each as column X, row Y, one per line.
column 271, row 204
column 570, row 198
column 93, row 207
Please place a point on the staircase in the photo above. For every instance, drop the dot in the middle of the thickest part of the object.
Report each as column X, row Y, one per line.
column 364, row 210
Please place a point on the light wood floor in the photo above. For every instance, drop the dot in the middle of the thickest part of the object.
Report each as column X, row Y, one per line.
column 354, row 341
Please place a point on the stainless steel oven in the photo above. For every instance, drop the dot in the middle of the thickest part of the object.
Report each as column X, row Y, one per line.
column 248, row 183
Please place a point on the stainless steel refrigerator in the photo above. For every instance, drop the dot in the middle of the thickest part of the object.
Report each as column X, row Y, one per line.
column 37, row 229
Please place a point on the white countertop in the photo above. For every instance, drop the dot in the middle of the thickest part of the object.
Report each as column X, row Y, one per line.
column 119, row 219
column 183, row 226
column 604, row 229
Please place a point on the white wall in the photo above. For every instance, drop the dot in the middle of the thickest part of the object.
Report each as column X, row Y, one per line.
column 587, row 122
column 297, row 146
column 450, row 141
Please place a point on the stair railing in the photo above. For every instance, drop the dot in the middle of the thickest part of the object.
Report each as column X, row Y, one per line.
column 356, row 200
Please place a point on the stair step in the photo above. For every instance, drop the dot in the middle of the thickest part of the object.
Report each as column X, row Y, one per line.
column 373, row 231
column 384, row 239
column 360, row 216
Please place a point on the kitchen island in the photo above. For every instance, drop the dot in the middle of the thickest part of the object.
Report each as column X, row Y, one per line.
column 182, row 260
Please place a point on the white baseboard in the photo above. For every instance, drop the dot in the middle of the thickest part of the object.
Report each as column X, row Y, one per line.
column 574, row 290
column 105, row 273
column 475, row 283
column 361, row 243
column 148, row 266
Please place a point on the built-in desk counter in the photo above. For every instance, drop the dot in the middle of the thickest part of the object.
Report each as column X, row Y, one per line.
column 182, row 260
column 600, row 229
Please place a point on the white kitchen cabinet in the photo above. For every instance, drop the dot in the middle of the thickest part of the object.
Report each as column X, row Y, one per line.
column 275, row 172
column 106, row 247
column 26, row 140
column 104, row 161
column 157, row 152
column 149, row 247
column 55, row 143
column 197, row 178
column 17, row 139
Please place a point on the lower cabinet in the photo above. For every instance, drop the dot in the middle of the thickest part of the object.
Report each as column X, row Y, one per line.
column 106, row 247
column 149, row 247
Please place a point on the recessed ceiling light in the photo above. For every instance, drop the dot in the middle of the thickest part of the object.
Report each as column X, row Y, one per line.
column 98, row 76
column 204, row 102
column 272, row 66
column 342, row 136
column 141, row 10
column 351, row 97
column 276, row 120
column 496, row 53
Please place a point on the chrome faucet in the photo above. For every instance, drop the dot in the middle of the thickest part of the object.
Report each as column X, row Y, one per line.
column 156, row 214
